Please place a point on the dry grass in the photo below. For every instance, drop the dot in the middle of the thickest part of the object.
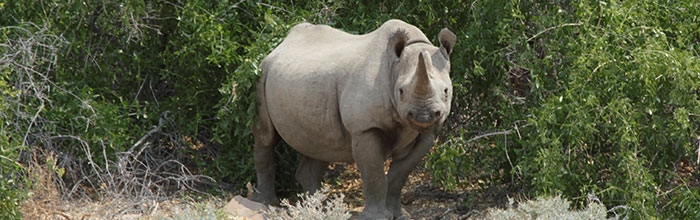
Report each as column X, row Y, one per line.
column 45, row 196
column 138, row 184
column 312, row 206
column 177, row 208
column 46, row 202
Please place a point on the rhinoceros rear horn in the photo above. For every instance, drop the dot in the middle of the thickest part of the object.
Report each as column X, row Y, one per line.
column 447, row 40
column 397, row 42
column 422, row 80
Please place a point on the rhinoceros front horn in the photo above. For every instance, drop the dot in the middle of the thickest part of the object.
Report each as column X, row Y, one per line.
column 422, row 80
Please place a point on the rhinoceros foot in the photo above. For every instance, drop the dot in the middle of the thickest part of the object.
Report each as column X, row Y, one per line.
column 265, row 199
column 403, row 216
column 367, row 215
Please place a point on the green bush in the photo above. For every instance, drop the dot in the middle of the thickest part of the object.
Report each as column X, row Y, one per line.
column 619, row 120
column 111, row 101
column 10, row 185
column 556, row 97
column 28, row 54
column 608, row 104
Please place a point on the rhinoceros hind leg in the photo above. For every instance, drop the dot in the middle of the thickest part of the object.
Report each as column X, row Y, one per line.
column 310, row 172
column 264, row 155
column 266, row 138
column 265, row 171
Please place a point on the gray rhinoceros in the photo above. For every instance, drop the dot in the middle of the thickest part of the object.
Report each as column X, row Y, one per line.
column 338, row 97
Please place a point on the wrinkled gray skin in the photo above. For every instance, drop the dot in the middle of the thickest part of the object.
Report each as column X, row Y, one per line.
column 337, row 97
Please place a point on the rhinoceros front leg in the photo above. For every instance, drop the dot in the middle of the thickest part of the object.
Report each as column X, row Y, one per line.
column 369, row 154
column 399, row 170
column 310, row 172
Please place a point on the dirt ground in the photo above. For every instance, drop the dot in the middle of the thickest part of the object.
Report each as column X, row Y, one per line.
column 421, row 198
column 424, row 200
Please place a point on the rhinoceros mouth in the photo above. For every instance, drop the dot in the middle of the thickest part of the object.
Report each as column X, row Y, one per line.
column 422, row 121
column 422, row 127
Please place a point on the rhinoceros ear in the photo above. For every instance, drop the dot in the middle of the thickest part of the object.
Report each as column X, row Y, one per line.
column 397, row 42
column 447, row 40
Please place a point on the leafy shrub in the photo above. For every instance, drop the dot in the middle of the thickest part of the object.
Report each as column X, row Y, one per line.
column 595, row 97
column 625, row 99
column 557, row 97
column 116, row 114
column 29, row 54
column 10, row 186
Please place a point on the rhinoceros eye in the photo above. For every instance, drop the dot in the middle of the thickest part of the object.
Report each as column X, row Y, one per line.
column 401, row 92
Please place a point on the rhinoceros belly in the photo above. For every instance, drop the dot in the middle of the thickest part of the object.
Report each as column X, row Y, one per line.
column 305, row 113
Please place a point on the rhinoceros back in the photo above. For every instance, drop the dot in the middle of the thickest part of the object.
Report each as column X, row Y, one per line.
column 302, row 89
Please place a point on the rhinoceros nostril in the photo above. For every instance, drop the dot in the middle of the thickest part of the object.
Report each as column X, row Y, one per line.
column 424, row 118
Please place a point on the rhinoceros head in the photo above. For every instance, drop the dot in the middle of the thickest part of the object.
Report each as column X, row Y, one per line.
column 423, row 88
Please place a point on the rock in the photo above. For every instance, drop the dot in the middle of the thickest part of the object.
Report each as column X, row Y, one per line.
column 240, row 206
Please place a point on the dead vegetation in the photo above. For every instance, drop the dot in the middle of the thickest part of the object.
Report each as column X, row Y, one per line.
column 132, row 191
column 139, row 181
column 70, row 176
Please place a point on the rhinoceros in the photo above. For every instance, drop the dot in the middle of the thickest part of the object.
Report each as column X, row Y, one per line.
column 339, row 97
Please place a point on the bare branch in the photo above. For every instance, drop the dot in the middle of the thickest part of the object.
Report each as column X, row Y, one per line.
column 506, row 132
column 698, row 151
column 552, row 28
